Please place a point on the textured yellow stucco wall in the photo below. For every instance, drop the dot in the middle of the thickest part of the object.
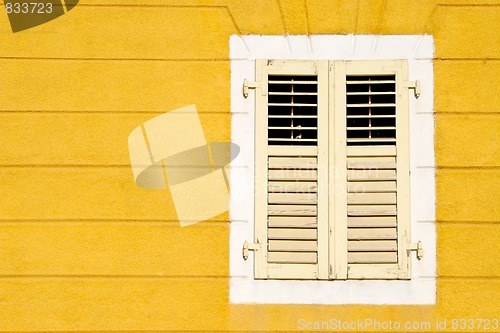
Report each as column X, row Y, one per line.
column 82, row 248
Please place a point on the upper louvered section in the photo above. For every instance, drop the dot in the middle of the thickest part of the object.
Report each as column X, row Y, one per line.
column 292, row 209
column 371, row 110
column 293, row 110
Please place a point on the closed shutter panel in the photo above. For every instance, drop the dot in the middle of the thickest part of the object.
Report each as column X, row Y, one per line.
column 377, row 173
column 287, row 205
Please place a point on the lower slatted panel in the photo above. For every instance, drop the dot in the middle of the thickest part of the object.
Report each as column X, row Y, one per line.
column 292, row 210
column 371, row 205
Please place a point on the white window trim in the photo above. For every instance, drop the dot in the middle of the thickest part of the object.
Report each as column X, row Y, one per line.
column 419, row 51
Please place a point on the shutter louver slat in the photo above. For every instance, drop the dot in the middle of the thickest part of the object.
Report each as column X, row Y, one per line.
column 292, row 187
column 292, row 198
column 372, row 257
column 372, row 246
column 292, row 246
column 292, row 234
column 292, row 210
column 369, row 221
column 292, row 222
column 371, row 233
column 370, row 174
column 292, row 175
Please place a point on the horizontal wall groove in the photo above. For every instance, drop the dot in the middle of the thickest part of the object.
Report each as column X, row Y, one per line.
column 118, row 59
column 63, row 166
column 467, row 5
column 194, row 5
column 468, row 168
column 187, row 59
column 154, row 331
column 467, row 278
column 467, row 113
column 110, row 277
column 467, row 59
column 73, row 221
column 97, row 166
column 444, row 222
column 101, row 112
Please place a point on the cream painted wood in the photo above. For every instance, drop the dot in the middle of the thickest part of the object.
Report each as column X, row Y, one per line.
column 337, row 167
column 371, row 163
column 293, row 198
column 385, row 168
column 302, row 151
column 286, row 175
column 292, row 234
column 373, row 271
column 372, row 246
column 368, row 187
column 373, row 174
column 371, row 233
column 372, row 257
column 290, row 173
column 295, row 271
column 324, row 240
column 293, row 163
column 372, row 151
column 403, row 170
column 286, row 187
column 293, row 257
column 371, row 221
column 293, row 222
column 293, row 246
column 293, row 210
column 371, row 198
column 261, row 156
column 371, row 210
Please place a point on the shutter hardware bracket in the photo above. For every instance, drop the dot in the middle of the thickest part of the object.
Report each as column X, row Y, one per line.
column 417, row 247
column 252, row 85
column 250, row 247
column 415, row 85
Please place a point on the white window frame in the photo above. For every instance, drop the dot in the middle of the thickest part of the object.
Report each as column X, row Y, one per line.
column 418, row 51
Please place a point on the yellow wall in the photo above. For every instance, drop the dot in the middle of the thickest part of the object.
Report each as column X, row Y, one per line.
column 83, row 248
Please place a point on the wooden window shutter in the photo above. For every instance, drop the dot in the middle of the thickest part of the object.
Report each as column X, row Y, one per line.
column 290, row 163
column 372, row 149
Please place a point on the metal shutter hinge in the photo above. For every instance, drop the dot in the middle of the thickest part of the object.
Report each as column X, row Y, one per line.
column 252, row 85
column 250, row 247
column 417, row 247
column 415, row 85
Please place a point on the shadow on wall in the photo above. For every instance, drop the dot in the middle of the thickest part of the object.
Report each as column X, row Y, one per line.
column 171, row 151
column 29, row 14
